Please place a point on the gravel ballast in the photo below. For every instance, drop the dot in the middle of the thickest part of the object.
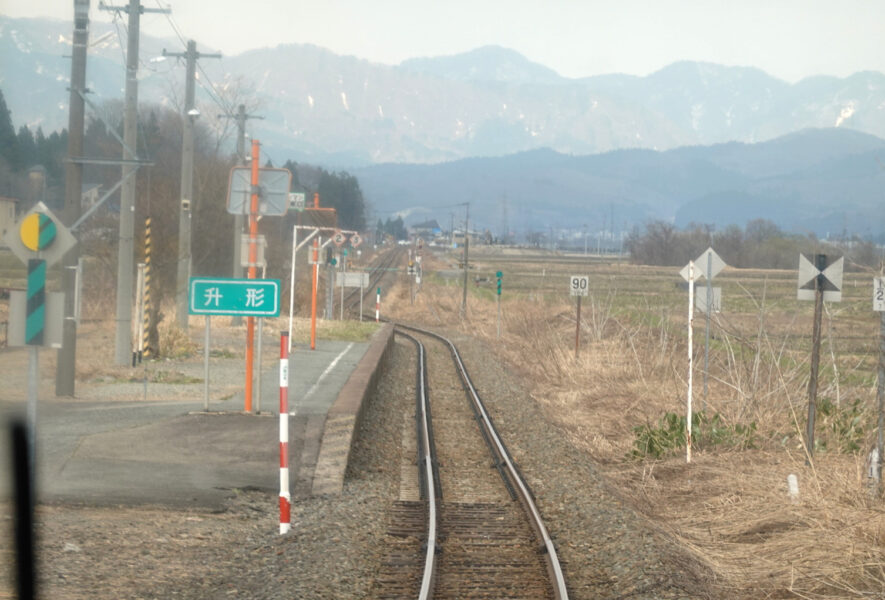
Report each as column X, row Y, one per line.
column 337, row 542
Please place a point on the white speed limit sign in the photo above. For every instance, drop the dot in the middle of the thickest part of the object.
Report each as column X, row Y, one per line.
column 579, row 285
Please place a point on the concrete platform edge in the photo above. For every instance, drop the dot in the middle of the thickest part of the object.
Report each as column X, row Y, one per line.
column 346, row 413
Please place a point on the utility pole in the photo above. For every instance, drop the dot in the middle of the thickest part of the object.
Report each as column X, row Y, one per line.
column 466, row 258
column 126, row 248
column 66, row 368
column 187, row 180
column 820, row 262
column 452, row 230
column 237, row 270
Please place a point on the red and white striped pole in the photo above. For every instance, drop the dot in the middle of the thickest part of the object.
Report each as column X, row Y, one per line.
column 285, row 498
column 378, row 305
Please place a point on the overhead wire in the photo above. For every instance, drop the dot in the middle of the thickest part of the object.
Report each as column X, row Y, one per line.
column 211, row 88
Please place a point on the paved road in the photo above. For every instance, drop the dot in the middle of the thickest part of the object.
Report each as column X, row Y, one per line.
column 167, row 450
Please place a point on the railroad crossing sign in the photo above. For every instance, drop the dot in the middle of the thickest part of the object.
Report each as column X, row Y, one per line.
column 831, row 282
column 716, row 264
column 579, row 285
column 244, row 297
column 339, row 238
column 273, row 191
column 355, row 240
column 879, row 294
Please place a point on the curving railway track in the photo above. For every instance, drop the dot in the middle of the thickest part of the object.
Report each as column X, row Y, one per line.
column 465, row 525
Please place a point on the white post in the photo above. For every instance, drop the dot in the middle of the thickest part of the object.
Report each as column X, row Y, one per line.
column 33, row 385
column 206, row 366
column 292, row 284
column 285, row 497
column 257, row 373
column 793, row 487
column 690, row 358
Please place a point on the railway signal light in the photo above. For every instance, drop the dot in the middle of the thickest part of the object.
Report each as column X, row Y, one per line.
column 499, row 275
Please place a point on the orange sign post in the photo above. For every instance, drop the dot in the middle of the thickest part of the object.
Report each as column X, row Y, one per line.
column 253, row 233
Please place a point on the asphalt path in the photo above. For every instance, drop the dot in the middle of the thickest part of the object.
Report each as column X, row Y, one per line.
column 168, row 450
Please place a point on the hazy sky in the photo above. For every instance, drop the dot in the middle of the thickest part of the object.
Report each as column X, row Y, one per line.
column 789, row 39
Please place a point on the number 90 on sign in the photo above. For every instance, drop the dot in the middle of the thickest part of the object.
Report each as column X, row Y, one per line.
column 579, row 285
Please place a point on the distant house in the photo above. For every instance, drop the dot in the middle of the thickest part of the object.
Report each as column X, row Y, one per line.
column 427, row 230
column 7, row 215
column 90, row 194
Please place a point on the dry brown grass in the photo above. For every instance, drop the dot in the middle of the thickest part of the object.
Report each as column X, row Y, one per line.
column 730, row 507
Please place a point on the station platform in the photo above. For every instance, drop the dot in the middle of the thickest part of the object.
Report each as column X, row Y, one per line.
column 114, row 445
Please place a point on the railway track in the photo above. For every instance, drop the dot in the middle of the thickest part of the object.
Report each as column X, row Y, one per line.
column 465, row 524
column 387, row 263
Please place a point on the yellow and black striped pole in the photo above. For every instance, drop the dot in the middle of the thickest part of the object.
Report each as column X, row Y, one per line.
column 146, row 322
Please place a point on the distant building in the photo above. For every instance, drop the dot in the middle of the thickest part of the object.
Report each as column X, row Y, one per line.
column 427, row 230
column 90, row 194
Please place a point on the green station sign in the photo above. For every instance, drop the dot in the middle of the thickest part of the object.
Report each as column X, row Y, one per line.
column 243, row 297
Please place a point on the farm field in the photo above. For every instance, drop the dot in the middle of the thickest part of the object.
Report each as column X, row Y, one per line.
column 622, row 399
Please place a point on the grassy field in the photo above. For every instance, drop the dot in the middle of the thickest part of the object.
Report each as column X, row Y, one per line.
column 622, row 398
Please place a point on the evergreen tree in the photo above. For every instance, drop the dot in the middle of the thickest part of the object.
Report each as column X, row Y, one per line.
column 293, row 168
column 8, row 141
column 342, row 192
column 27, row 148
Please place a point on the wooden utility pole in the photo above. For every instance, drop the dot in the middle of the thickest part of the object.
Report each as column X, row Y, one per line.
column 820, row 261
column 66, row 365
column 126, row 248
column 237, row 268
column 187, row 179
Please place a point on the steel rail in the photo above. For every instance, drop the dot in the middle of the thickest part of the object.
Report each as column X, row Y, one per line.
column 428, row 463
column 376, row 274
column 503, row 457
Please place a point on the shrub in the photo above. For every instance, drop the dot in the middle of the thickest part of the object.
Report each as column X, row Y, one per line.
column 668, row 435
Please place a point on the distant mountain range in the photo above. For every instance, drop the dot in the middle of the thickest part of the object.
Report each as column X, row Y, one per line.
column 325, row 108
column 692, row 142
column 826, row 181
